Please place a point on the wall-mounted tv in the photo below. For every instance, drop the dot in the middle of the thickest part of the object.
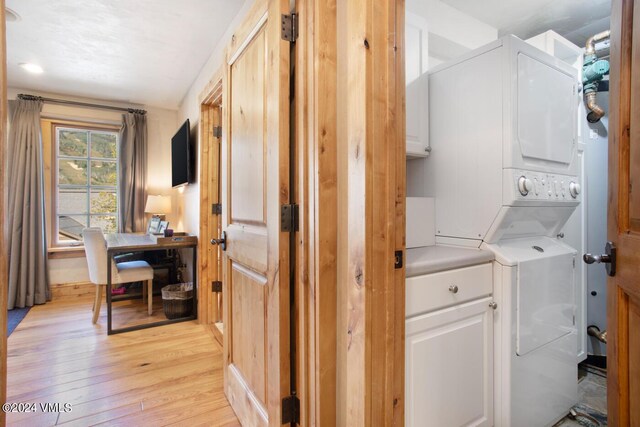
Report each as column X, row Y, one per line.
column 182, row 156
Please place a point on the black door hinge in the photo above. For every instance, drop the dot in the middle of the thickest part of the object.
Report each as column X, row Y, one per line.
column 217, row 131
column 291, row 410
column 397, row 262
column 289, row 218
column 216, row 209
column 289, row 27
column 216, row 286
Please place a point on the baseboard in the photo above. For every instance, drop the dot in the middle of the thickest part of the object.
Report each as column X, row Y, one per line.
column 72, row 290
column 599, row 362
column 214, row 329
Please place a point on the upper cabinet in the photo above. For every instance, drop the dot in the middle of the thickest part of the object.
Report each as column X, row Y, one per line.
column 417, row 97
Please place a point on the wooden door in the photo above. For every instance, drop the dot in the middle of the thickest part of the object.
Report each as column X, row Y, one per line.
column 623, row 289
column 209, row 299
column 255, row 183
column 4, row 279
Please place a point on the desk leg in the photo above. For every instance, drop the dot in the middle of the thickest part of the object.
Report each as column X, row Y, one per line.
column 195, row 282
column 109, row 329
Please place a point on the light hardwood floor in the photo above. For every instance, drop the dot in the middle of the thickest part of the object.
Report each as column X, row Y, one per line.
column 169, row 375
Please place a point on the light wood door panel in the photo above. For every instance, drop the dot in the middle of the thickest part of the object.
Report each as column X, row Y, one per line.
column 209, row 310
column 249, row 126
column 623, row 289
column 255, row 183
column 248, row 332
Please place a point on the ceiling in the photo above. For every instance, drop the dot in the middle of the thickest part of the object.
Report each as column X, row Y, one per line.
column 145, row 52
column 574, row 19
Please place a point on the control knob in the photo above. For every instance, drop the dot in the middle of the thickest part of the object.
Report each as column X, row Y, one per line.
column 574, row 189
column 524, row 185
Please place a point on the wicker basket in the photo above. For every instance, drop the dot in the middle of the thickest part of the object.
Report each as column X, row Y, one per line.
column 177, row 300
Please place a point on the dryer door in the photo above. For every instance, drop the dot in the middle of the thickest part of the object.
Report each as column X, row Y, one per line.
column 545, row 298
column 546, row 111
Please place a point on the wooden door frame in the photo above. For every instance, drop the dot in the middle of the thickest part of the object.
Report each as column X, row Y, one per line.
column 371, row 203
column 350, row 127
column 620, row 368
column 316, row 194
column 350, row 338
column 208, row 259
column 4, row 276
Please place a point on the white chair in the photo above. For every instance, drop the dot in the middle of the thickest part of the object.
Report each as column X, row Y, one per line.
column 95, row 248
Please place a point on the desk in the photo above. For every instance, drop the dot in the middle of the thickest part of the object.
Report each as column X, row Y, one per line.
column 118, row 243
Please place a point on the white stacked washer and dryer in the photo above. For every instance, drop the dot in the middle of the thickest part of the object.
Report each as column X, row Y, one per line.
column 503, row 171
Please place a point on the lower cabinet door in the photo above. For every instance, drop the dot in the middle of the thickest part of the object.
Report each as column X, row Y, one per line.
column 449, row 366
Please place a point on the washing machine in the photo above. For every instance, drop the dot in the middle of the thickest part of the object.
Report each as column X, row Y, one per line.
column 503, row 171
column 535, row 337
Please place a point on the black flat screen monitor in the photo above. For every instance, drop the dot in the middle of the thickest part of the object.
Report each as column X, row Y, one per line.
column 181, row 156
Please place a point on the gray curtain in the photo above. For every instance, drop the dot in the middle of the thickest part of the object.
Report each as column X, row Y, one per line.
column 28, row 272
column 133, row 172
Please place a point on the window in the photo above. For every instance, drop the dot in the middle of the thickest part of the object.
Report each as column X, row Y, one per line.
column 85, row 182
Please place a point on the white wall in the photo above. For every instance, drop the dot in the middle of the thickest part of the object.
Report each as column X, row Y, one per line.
column 161, row 125
column 189, row 197
column 451, row 33
column 186, row 199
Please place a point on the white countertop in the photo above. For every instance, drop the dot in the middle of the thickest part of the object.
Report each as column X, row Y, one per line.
column 431, row 259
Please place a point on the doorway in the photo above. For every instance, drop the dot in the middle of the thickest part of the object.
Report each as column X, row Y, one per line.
column 441, row 32
column 210, row 259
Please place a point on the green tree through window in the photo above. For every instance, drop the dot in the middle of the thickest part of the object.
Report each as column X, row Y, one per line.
column 86, row 181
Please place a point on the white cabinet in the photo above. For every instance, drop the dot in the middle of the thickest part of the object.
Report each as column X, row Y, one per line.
column 417, row 95
column 449, row 362
column 445, row 288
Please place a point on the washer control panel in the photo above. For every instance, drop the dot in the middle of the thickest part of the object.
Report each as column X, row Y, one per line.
column 539, row 186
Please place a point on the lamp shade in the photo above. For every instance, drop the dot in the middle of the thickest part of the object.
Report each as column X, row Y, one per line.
column 158, row 205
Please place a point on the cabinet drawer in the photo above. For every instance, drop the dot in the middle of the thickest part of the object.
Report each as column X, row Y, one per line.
column 439, row 290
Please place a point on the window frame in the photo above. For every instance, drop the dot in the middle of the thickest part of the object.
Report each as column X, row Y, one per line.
column 56, row 127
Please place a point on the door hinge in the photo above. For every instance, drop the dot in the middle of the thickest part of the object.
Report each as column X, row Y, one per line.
column 289, row 218
column 291, row 410
column 397, row 262
column 216, row 209
column 289, row 27
column 216, row 286
column 217, row 131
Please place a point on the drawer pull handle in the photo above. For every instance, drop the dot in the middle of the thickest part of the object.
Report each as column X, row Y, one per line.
column 493, row 305
column 453, row 289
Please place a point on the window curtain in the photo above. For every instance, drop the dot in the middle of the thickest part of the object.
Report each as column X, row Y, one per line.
column 28, row 272
column 133, row 172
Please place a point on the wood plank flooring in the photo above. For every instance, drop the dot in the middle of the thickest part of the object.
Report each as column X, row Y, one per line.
column 169, row 375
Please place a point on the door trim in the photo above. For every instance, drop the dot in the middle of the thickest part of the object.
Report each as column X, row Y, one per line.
column 316, row 192
column 4, row 276
column 371, row 203
column 209, row 267
column 618, row 300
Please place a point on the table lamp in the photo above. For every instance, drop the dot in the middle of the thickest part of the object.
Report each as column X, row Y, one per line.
column 158, row 206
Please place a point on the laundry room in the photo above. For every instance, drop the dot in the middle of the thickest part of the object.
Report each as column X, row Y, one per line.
column 507, row 118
